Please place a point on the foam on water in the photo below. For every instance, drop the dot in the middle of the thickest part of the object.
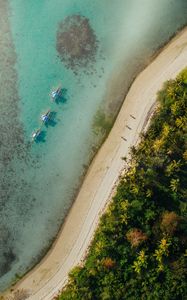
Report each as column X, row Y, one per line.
column 47, row 174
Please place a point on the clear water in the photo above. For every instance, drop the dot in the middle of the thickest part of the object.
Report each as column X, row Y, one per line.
column 39, row 180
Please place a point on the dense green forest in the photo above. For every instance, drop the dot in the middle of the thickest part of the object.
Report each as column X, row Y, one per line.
column 139, row 249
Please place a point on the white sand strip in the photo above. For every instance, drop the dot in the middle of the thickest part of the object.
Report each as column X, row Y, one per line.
column 50, row 276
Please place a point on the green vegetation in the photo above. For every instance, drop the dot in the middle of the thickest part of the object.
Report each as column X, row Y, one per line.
column 139, row 249
column 102, row 123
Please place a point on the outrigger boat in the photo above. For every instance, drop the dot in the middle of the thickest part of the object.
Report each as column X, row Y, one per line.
column 56, row 93
column 36, row 134
column 46, row 117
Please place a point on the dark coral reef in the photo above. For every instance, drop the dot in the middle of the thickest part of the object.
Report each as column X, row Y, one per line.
column 76, row 42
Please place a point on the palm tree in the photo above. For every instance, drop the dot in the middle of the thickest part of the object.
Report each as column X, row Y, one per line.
column 174, row 184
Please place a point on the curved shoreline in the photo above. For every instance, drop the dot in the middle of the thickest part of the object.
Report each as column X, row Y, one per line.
column 50, row 275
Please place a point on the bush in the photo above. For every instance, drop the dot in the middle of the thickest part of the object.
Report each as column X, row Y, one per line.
column 169, row 222
column 136, row 237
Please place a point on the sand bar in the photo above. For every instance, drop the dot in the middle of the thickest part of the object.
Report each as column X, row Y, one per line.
column 50, row 275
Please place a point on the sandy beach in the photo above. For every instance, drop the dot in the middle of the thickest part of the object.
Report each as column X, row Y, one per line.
column 50, row 275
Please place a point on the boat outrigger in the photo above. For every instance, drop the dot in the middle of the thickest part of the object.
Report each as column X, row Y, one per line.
column 36, row 134
column 56, row 93
column 46, row 117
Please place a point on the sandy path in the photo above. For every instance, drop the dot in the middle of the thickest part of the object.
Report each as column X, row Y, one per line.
column 48, row 277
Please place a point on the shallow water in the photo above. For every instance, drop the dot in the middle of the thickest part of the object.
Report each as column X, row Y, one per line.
column 39, row 180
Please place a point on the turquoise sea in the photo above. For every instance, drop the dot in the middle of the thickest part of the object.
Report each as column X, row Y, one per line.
column 39, row 180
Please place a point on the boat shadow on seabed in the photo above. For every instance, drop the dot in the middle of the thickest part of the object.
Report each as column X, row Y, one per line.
column 51, row 120
column 62, row 96
column 41, row 137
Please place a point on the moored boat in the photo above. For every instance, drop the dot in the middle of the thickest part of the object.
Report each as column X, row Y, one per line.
column 56, row 93
column 36, row 134
column 46, row 117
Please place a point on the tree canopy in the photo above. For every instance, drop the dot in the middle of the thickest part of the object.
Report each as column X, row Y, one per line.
column 139, row 249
